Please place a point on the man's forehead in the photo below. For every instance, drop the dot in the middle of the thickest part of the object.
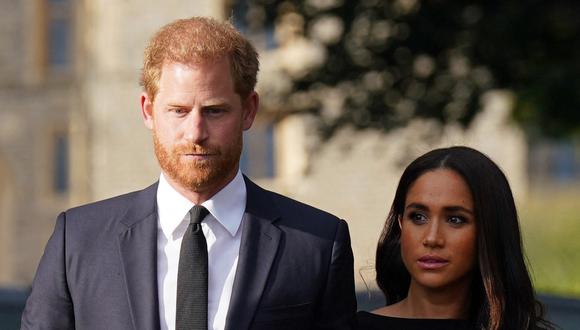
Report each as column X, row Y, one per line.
column 196, row 61
column 216, row 68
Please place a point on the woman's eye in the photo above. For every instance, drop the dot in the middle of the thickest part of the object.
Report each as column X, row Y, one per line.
column 417, row 218
column 456, row 220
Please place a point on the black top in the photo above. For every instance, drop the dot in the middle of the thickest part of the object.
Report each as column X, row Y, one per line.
column 369, row 321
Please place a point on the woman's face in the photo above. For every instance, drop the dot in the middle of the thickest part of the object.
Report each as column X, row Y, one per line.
column 438, row 232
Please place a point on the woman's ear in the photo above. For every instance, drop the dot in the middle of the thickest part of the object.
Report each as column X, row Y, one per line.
column 399, row 221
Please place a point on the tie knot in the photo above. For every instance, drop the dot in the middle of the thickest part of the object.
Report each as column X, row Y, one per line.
column 197, row 213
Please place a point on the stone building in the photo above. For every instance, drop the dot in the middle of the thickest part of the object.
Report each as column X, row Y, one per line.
column 70, row 126
column 36, row 95
column 71, row 130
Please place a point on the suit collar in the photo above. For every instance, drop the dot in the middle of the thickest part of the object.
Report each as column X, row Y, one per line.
column 141, row 207
column 259, row 202
column 258, row 249
column 138, row 252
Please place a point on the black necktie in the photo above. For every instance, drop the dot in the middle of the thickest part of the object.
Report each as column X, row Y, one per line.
column 191, row 306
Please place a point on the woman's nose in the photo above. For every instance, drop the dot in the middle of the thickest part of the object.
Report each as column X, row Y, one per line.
column 433, row 236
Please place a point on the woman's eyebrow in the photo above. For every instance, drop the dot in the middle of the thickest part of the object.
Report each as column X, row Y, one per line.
column 417, row 206
column 453, row 208
column 457, row 208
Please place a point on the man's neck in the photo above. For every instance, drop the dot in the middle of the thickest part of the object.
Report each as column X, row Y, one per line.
column 199, row 195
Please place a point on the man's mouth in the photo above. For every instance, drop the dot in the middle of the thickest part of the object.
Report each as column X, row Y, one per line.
column 198, row 156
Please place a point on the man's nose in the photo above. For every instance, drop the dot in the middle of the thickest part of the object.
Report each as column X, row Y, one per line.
column 195, row 127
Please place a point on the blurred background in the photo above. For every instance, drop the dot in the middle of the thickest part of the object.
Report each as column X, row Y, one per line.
column 351, row 92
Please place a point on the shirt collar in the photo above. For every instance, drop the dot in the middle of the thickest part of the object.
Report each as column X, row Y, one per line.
column 227, row 206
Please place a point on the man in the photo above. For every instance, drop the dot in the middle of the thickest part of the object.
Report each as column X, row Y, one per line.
column 141, row 261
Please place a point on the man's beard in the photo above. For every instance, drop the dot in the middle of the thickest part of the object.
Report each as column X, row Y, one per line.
column 198, row 175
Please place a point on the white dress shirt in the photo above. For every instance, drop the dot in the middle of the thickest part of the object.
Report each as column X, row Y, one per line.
column 222, row 232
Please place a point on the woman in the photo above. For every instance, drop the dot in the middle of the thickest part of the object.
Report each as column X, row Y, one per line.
column 450, row 255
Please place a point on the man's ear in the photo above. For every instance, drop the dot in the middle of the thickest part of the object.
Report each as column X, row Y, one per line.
column 250, row 109
column 147, row 110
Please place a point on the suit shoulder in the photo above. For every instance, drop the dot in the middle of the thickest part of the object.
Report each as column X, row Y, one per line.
column 286, row 203
column 260, row 198
column 116, row 206
column 303, row 220
column 115, row 203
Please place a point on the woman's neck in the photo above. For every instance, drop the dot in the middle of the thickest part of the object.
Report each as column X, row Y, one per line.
column 425, row 303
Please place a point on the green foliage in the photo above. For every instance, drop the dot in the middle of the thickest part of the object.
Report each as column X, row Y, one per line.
column 397, row 60
column 550, row 225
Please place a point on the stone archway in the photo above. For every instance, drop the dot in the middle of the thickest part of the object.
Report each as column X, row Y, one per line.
column 6, row 225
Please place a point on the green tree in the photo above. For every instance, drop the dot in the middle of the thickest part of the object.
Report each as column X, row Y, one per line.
column 396, row 60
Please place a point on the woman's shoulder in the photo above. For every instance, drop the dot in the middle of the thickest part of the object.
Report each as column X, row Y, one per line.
column 371, row 321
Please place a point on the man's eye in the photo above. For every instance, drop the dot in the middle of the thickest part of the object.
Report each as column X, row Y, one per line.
column 214, row 111
column 179, row 111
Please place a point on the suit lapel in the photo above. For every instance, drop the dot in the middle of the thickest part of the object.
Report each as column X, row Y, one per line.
column 138, row 252
column 258, row 248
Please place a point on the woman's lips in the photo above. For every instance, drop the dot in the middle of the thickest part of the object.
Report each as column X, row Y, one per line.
column 432, row 262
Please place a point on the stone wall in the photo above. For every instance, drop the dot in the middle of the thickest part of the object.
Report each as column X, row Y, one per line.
column 94, row 103
column 34, row 112
column 29, row 122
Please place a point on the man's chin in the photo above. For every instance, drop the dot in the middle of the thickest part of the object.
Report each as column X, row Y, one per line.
column 196, row 162
column 194, row 183
column 198, row 177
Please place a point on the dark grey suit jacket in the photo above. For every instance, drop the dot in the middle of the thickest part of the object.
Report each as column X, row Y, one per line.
column 99, row 268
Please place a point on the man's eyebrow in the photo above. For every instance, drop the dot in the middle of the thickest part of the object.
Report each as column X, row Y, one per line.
column 216, row 105
column 177, row 105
